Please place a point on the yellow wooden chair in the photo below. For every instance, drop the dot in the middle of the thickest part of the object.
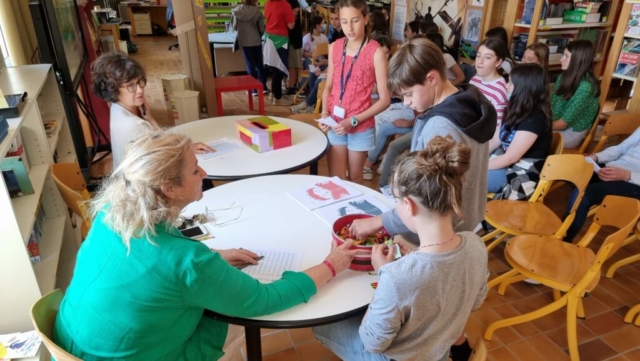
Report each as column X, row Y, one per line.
column 621, row 125
column 311, row 117
column 318, row 50
column 628, row 260
column 557, row 145
column 326, row 15
column 73, row 189
column 480, row 351
column 565, row 267
column 631, row 314
column 533, row 217
column 43, row 316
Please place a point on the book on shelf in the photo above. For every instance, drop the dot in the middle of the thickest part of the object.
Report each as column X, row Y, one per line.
column 15, row 171
column 628, row 60
column 633, row 25
column 33, row 247
column 50, row 126
column 598, row 38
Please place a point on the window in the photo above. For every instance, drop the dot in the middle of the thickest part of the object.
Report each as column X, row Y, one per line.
column 3, row 49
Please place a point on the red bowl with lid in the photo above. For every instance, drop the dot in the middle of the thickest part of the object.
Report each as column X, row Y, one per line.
column 359, row 262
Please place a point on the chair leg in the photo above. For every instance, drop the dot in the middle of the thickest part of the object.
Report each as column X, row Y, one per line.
column 580, row 311
column 556, row 294
column 495, row 243
column 489, row 236
column 572, row 327
column 623, row 262
column 632, row 313
column 501, row 278
column 503, row 286
column 554, row 306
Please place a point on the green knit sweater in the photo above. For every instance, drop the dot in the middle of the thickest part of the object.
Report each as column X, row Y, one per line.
column 148, row 304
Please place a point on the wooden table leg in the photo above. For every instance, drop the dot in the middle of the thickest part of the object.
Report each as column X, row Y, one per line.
column 261, row 99
column 219, row 99
column 313, row 168
column 250, row 95
column 133, row 23
column 254, row 345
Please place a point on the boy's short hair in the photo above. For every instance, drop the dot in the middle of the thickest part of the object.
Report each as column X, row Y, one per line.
column 411, row 63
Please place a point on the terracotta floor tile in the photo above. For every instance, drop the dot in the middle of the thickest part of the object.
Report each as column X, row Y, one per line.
column 275, row 342
column 546, row 323
column 607, row 298
column 549, row 349
column 595, row 350
column 559, row 335
column 625, row 339
column 284, row 355
column 618, row 358
column 593, row 307
column 502, row 353
column 604, row 323
column 525, row 351
column 633, row 355
column 526, row 329
column 301, row 335
column 313, row 351
column 619, row 291
column 475, row 329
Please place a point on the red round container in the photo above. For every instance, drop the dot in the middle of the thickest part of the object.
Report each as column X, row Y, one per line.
column 360, row 262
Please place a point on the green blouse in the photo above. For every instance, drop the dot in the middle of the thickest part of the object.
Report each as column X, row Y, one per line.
column 579, row 111
column 148, row 304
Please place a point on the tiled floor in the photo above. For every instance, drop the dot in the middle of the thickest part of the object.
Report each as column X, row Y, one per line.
column 602, row 335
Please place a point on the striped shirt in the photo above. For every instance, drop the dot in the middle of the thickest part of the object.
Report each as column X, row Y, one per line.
column 495, row 91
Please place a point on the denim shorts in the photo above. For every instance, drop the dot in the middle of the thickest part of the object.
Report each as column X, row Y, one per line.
column 357, row 142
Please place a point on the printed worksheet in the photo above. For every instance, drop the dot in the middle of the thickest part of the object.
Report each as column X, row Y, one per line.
column 222, row 146
column 361, row 205
column 19, row 345
column 273, row 264
column 324, row 193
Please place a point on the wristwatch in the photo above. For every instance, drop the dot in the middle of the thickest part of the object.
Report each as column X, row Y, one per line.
column 354, row 122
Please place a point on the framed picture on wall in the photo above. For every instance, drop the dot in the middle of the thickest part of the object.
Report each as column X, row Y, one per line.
column 476, row 2
column 473, row 25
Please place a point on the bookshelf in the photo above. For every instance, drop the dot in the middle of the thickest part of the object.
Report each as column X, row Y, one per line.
column 545, row 28
column 24, row 282
column 218, row 12
column 621, row 88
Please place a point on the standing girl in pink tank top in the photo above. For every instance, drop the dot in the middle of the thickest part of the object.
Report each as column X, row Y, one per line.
column 356, row 64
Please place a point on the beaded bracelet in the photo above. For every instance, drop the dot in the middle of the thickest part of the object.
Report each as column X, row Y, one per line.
column 333, row 270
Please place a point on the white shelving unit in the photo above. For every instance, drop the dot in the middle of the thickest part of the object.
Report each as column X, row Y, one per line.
column 22, row 283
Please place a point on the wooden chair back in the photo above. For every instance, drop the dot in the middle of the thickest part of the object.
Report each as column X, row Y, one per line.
column 563, row 167
column 394, row 48
column 43, row 316
column 618, row 125
column 319, row 99
column 73, row 189
column 319, row 50
column 621, row 213
column 590, row 134
column 557, row 143
column 479, row 351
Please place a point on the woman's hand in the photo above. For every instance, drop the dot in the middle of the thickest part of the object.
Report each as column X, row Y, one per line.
column 614, row 174
column 381, row 254
column 237, row 257
column 343, row 127
column 201, row 148
column 360, row 228
column 341, row 256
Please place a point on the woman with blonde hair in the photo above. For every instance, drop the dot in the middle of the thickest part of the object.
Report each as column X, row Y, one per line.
column 140, row 288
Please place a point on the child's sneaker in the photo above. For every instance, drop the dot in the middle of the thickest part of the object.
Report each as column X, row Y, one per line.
column 308, row 110
column 461, row 352
column 298, row 108
column 367, row 174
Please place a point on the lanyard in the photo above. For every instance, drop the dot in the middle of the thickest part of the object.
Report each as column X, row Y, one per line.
column 343, row 81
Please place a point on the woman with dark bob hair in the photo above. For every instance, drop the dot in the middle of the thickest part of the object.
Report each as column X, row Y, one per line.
column 139, row 289
column 120, row 80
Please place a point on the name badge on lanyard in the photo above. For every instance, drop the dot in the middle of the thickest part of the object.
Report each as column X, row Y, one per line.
column 338, row 110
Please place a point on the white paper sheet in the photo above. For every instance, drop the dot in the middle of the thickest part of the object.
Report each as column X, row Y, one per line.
column 596, row 167
column 222, row 146
column 361, row 205
column 21, row 344
column 323, row 193
column 399, row 19
column 274, row 263
column 327, row 121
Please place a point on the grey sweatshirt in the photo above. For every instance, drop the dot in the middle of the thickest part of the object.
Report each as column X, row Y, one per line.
column 423, row 301
column 470, row 119
column 248, row 21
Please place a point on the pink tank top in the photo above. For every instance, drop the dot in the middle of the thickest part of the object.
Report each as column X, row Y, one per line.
column 357, row 94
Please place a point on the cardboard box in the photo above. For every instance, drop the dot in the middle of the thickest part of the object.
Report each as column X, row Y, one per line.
column 263, row 134
column 184, row 106
column 183, row 15
column 172, row 83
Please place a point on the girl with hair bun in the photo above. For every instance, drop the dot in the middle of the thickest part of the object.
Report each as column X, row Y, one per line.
column 399, row 323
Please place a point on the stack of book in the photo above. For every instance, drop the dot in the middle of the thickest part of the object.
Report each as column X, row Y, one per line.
column 628, row 60
column 15, row 170
column 33, row 246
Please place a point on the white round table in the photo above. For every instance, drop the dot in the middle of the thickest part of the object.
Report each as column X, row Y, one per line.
column 273, row 219
column 308, row 145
